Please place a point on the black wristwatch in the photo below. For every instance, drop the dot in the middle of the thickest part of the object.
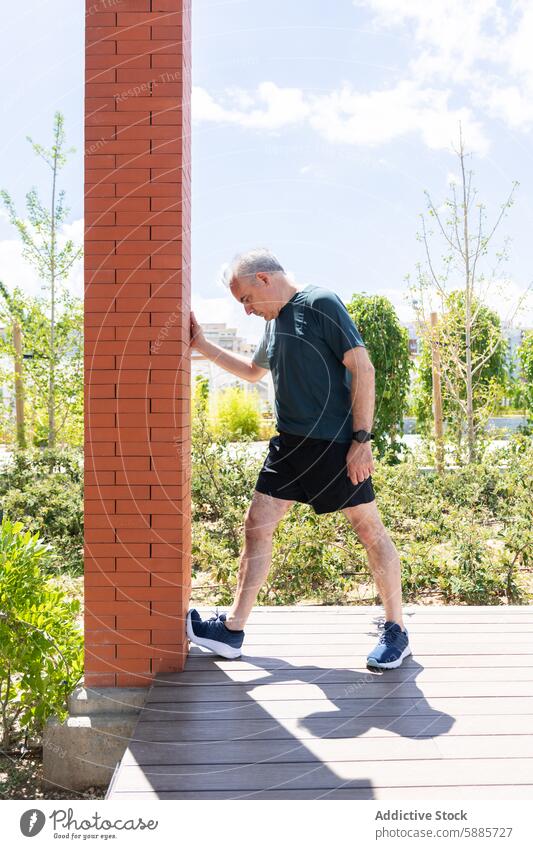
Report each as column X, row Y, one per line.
column 362, row 435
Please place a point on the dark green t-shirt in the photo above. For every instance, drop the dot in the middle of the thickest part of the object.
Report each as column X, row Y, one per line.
column 304, row 348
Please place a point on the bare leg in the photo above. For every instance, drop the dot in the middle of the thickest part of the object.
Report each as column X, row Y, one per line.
column 260, row 523
column 383, row 558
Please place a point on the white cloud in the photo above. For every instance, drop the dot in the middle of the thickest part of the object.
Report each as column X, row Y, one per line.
column 481, row 49
column 270, row 108
column 348, row 116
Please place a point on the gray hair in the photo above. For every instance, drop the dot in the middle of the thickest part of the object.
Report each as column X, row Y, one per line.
column 248, row 264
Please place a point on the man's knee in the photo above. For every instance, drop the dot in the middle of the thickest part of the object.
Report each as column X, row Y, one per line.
column 368, row 527
column 257, row 526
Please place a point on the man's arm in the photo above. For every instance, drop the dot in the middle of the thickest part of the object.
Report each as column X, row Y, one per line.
column 360, row 367
column 359, row 460
column 228, row 360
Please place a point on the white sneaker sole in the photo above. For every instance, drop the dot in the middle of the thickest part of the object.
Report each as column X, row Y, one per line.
column 392, row 664
column 219, row 648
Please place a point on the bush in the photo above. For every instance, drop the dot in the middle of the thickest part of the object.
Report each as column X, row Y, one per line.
column 40, row 644
column 44, row 490
column 463, row 537
column 235, row 414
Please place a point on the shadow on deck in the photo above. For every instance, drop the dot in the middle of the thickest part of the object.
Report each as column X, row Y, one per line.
column 298, row 717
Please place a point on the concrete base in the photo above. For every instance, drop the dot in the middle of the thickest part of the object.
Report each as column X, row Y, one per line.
column 83, row 751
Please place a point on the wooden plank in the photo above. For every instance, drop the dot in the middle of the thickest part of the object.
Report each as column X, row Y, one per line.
column 359, row 686
column 432, row 772
column 208, row 660
column 227, row 677
column 302, row 647
column 390, row 707
column 459, row 792
column 360, row 641
column 314, row 749
column 414, row 628
column 190, row 730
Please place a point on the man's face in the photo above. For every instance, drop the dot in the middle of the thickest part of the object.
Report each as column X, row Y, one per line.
column 257, row 295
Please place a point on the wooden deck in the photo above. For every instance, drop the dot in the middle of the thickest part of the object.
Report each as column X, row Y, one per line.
column 299, row 716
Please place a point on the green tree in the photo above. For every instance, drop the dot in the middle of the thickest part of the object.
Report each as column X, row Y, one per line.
column 50, row 254
column 388, row 347
column 489, row 381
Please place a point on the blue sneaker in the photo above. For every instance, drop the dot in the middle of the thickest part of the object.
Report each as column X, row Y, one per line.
column 392, row 647
column 212, row 634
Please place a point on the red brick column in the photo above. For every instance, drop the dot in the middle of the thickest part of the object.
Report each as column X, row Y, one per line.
column 137, row 368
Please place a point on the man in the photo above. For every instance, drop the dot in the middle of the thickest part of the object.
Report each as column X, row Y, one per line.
column 324, row 393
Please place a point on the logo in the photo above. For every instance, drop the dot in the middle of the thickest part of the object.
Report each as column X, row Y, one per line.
column 32, row 822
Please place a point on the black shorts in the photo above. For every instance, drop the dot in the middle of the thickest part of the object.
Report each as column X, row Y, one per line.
column 312, row 471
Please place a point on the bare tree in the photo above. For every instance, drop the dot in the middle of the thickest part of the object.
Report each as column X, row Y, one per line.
column 43, row 249
column 461, row 225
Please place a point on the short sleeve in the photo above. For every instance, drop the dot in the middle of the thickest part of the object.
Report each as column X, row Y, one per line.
column 260, row 357
column 336, row 324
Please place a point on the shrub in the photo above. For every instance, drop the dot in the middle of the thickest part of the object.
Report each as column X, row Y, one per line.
column 462, row 537
column 40, row 644
column 235, row 414
column 44, row 490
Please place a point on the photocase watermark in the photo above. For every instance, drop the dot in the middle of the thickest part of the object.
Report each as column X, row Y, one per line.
column 32, row 822
column 163, row 333
column 53, row 747
column 65, row 824
column 95, row 146
column 102, row 6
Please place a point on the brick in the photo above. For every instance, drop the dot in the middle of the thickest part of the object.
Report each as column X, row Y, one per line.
column 161, row 32
column 93, row 594
column 163, row 593
column 102, row 34
column 122, row 119
column 141, row 131
column 135, row 5
column 148, row 77
column 170, row 663
column 117, row 637
column 134, row 18
column 100, row 190
column 130, row 680
column 119, row 233
column 99, row 565
column 148, row 160
column 95, row 493
column 167, row 5
column 98, row 219
column 119, row 550
column 103, row 478
column 142, row 47
column 100, row 18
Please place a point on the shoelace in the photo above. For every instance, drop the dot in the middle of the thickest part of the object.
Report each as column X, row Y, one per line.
column 388, row 635
column 214, row 614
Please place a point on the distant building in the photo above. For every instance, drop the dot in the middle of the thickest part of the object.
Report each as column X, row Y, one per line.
column 226, row 337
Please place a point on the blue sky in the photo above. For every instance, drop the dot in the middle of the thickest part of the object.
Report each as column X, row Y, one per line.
column 317, row 127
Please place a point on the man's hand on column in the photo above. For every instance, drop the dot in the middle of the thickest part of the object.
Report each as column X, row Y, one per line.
column 197, row 334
